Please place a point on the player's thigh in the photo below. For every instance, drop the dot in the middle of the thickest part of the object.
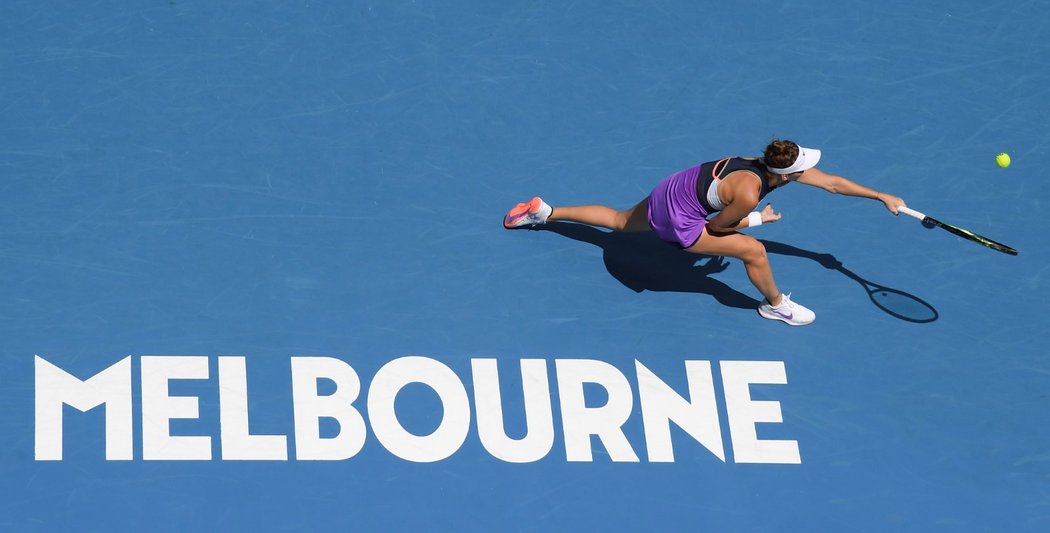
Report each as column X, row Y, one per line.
column 637, row 217
column 730, row 244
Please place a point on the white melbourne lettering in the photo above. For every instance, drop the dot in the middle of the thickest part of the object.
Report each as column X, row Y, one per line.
column 696, row 413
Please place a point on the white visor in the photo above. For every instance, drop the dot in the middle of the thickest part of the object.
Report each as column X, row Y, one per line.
column 807, row 159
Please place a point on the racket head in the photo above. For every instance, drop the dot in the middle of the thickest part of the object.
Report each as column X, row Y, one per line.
column 983, row 241
column 971, row 236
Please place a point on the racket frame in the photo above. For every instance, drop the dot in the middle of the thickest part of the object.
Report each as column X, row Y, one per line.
column 966, row 234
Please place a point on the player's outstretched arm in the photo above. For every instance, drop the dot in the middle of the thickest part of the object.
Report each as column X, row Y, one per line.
column 840, row 185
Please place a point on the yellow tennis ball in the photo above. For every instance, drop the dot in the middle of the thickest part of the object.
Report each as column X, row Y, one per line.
column 1003, row 160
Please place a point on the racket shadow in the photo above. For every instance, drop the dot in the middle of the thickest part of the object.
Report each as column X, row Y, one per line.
column 893, row 302
column 642, row 262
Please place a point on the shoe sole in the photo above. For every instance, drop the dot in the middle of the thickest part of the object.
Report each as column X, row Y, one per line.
column 521, row 211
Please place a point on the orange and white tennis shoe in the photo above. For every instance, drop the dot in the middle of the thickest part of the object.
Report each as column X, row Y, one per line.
column 531, row 213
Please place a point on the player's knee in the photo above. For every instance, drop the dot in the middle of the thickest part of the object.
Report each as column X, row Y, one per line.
column 755, row 253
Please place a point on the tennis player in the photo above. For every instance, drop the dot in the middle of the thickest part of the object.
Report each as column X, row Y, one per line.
column 680, row 211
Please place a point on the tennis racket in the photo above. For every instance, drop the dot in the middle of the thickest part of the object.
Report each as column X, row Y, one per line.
column 966, row 234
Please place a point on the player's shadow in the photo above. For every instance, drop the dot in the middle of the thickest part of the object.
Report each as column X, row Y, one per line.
column 642, row 262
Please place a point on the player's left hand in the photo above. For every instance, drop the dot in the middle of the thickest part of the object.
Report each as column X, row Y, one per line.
column 768, row 215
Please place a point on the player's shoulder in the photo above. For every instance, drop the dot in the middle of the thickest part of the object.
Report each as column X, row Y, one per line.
column 743, row 184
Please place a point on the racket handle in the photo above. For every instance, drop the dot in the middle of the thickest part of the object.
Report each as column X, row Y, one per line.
column 911, row 212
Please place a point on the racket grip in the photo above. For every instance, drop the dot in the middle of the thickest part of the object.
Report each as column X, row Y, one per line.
column 911, row 212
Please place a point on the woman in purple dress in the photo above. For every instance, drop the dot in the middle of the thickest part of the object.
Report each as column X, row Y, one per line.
column 680, row 209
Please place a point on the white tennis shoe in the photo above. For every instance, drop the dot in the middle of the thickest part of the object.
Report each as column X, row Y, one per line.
column 788, row 311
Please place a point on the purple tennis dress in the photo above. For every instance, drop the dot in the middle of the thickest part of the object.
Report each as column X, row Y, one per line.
column 675, row 213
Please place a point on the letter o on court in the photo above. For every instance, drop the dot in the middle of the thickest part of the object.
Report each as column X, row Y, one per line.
column 455, row 423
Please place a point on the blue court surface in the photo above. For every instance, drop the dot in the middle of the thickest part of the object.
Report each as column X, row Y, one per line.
column 254, row 274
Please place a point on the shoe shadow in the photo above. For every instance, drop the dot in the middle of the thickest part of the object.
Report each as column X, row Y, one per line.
column 642, row 262
column 894, row 302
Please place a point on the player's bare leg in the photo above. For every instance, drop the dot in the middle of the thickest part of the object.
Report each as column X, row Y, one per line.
column 778, row 306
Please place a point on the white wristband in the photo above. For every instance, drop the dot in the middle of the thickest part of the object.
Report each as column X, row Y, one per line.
column 754, row 219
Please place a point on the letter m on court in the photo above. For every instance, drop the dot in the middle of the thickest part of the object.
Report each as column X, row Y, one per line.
column 110, row 387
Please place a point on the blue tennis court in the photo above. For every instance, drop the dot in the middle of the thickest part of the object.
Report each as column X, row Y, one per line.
column 255, row 276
